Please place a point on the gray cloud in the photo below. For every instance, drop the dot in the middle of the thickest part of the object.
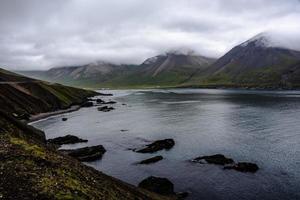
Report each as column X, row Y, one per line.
column 38, row 34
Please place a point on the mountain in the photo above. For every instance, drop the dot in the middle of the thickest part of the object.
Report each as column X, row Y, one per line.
column 258, row 62
column 167, row 69
column 91, row 75
column 24, row 96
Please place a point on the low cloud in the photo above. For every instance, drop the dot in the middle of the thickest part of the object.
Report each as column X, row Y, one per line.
column 38, row 34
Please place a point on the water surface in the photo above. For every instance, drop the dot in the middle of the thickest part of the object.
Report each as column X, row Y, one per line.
column 254, row 126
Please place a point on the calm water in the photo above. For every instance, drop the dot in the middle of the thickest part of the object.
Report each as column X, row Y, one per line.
column 255, row 126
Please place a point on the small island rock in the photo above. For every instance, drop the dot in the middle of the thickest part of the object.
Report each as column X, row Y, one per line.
column 217, row 159
column 157, row 146
column 68, row 139
column 151, row 160
column 86, row 154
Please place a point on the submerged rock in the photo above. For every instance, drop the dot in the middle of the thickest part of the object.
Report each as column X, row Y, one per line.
column 105, row 108
column 68, row 139
column 64, row 119
column 182, row 195
column 157, row 146
column 151, row 160
column 244, row 167
column 217, row 159
column 158, row 185
column 86, row 154
column 106, row 102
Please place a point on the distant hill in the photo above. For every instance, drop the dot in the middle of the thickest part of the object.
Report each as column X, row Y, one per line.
column 163, row 70
column 258, row 62
column 91, row 75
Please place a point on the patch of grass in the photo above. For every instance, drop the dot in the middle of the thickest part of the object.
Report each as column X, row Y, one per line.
column 33, row 149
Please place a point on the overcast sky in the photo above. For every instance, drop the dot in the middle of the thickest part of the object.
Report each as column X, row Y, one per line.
column 39, row 34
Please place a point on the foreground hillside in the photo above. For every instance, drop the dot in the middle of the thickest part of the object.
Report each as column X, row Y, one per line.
column 30, row 170
column 22, row 96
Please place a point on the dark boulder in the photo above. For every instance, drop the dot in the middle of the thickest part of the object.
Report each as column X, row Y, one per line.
column 157, row 146
column 68, row 139
column 105, row 108
column 100, row 101
column 87, row 104
column 86, row 154
column 158, row 185
column 64, row 119
column 244, row 167
column 109, row 102
column 151, row 160
column 217, row 159
column 105, row 94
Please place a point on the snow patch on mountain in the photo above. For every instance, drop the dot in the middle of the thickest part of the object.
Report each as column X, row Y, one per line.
column 275, row 40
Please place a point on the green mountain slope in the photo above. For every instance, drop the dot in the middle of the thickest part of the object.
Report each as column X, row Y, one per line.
column 255, row 63
column 163, row 70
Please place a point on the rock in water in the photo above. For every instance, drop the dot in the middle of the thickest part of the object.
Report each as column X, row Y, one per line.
column 105, row 109
column 158, row 185
column 68, row 139
column 87, row 104
column 157, row 146
column 64, row 119
column 151, row 160
column 99, row 101
column 217, row 159
column 104, row 94
column 86, row 154
column 109, row 102
column 244, row 167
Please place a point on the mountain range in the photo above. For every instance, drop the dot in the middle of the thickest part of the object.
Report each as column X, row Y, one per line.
column 259, row 62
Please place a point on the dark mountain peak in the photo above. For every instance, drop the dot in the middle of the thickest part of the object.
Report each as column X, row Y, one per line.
column 175, row 61
column 261, row 60
column 263, row 40
column 179, row 57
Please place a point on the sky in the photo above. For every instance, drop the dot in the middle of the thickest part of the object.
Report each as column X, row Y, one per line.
column 40, row 34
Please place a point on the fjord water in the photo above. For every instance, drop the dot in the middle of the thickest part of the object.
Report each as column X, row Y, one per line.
column 253, row 126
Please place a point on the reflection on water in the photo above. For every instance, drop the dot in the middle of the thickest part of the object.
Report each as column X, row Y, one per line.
column 255, row 126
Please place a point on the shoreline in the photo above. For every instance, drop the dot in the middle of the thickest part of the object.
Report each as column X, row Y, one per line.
column 40, row 116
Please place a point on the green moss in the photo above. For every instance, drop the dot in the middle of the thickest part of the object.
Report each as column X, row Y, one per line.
column 33, row 149
column 71, row 186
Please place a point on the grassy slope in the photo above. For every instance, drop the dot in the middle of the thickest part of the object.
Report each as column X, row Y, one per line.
column 235, row 74
column 21, row 95
column 30, row 170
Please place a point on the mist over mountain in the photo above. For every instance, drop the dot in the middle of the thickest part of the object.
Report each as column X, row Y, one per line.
column 263, row 60
column 170, row 68
column 35, row 35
